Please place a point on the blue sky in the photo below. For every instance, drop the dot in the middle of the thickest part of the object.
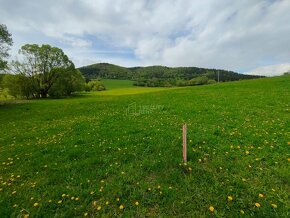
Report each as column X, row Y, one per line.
column 249, row 36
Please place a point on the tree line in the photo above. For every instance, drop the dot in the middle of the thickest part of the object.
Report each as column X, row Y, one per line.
column 161, row 75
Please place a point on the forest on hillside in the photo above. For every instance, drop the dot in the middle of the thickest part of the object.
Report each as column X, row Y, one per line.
column 154, row 76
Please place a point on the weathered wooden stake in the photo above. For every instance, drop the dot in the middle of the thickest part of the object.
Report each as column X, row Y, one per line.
column 184, row 142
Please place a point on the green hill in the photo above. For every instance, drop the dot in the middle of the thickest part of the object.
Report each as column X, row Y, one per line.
column 119, row 153
column 159, row 75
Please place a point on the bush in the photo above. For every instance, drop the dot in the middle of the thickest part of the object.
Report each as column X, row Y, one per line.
column 95, row 86
column 211, row 81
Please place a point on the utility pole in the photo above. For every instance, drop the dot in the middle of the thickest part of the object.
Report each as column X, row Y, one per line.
column 218, row 76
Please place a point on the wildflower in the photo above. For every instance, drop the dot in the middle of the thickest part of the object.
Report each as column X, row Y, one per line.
column 158, row 186
column 257, row 205
column 288, row 159
column 242, row 212
column 49, row 201
column 72, row 198
column 274, row 206
column 107, row 202
column 14, row 192
column 99, row 208
column 95, row 203
column 63, row 195
column 15, row 205
column 118, row 199
column 77, row 199
column 36, row 204
column 230, row 198
column 136, row 203
column 247, row 152
column 121, row 207
column 149, row 189
column 189, row 169
column 211, row 208
column 59, row 202
column 261, row 195
column 92, row 193
column 122, row 173
column 85, row 214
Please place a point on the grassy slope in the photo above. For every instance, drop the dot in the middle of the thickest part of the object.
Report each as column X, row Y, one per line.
column 117, row 84
column 77, row 146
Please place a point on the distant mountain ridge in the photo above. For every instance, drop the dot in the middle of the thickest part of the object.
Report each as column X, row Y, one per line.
column 162, row 75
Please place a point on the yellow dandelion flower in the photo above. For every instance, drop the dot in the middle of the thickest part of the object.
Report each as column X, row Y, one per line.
column 14, row 192
column 158, row 186
column 92, row 193
column 189, row 169
column 99, row 208
column 95, row 203
column 242, row 212
column 72, row 198
column 49, row 201
column 36, row 204
column 247, row 152
column 15, row 205
column 274, row 206
column 257, row 205
column 118, row 199
column 77, row 199
column 107, row 202
column 261, row 195
column 59, row 202
column 85, row 214
column 63, row 195
column 149, row 189
column 26, row 216
column 136, row 203
column 288, row 159
column 122, row 173
column 121, row 207
column 211, row 208
column 230, row 198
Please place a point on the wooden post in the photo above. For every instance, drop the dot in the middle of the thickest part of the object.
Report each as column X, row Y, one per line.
column 184, row 142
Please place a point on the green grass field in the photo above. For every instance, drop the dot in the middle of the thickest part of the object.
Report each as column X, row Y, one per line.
column 117, row 83
column 120, row 154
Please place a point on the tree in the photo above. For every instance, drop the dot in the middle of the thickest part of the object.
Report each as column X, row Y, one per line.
column 44, row 65
column 19, row 85
column 5, row 43
column 67, row 82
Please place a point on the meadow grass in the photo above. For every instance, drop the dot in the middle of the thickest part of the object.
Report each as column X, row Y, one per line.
column 117, row 83
column 100, row 155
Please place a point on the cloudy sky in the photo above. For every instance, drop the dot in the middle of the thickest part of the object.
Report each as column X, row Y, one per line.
column 248, row 36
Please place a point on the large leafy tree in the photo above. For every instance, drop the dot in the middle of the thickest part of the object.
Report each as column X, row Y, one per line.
column 5, row 43
column 44, row 64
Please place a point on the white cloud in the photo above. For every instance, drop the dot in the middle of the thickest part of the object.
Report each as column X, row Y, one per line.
column 235, row 35
column 272, row 70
